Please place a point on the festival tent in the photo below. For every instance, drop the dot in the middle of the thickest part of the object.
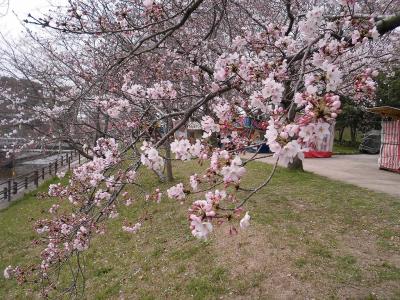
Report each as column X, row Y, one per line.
column 389, row 158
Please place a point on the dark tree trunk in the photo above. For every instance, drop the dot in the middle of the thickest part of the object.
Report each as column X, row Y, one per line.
column 98, row 129
column 353, row 133
column 297, row 164
column 168, row 163
column 341, row 132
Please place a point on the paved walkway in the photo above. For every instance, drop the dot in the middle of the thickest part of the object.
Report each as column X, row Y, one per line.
column 361, row 170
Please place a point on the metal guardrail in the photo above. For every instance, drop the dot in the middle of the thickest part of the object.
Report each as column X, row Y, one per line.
column 23, row 182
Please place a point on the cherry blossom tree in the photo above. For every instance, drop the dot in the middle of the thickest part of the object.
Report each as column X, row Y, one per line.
column 124, row 76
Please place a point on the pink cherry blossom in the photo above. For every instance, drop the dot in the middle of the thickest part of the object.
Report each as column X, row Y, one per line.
column 200, row 229
column 245, row 221
column 132, row 229
column 176, row 192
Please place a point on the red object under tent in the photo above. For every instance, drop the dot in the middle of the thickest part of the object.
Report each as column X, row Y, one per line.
column 318, row 154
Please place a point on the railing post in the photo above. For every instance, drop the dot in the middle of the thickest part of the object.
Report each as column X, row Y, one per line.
column 5, row 193
column 50, row 169
column 55, row 167
column 69, row 163
column 62, row 160
column 9, row 191
column 79, row 158
column 26, row 182
column 42, row 173
column 36, row 178
column 15, row 187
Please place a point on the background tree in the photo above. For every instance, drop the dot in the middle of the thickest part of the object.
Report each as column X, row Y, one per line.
column 388, row 91
column 355, row 116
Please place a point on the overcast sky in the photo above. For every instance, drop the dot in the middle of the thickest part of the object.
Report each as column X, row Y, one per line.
column 10, row 25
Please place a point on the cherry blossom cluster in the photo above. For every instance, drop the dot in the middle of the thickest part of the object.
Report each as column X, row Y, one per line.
column 209, row 126
column 155, row 196
column 176, row 192
column 131, row 228
column 106, row 154
column 202, row 213
column 365, row 84
column 234, row 171
column 151, row 158
column 185, row 151
column 113, row 107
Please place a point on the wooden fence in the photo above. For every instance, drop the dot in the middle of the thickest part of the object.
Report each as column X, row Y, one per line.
column 13, row 185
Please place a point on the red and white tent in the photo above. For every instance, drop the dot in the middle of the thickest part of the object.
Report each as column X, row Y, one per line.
column 389, row 158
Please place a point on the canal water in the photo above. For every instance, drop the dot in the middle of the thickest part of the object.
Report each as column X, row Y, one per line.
column 19, row 170
column 24, row 168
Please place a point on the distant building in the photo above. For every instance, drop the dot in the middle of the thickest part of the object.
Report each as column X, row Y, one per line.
column 191, row 131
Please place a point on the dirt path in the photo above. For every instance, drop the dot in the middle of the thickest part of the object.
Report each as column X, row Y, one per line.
column 361, row 170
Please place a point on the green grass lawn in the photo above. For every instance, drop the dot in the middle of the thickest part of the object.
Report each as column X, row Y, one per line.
column 310, row 238
column 345, row 149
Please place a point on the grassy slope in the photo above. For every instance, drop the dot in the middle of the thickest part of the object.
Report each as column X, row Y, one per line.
column 310, row 237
